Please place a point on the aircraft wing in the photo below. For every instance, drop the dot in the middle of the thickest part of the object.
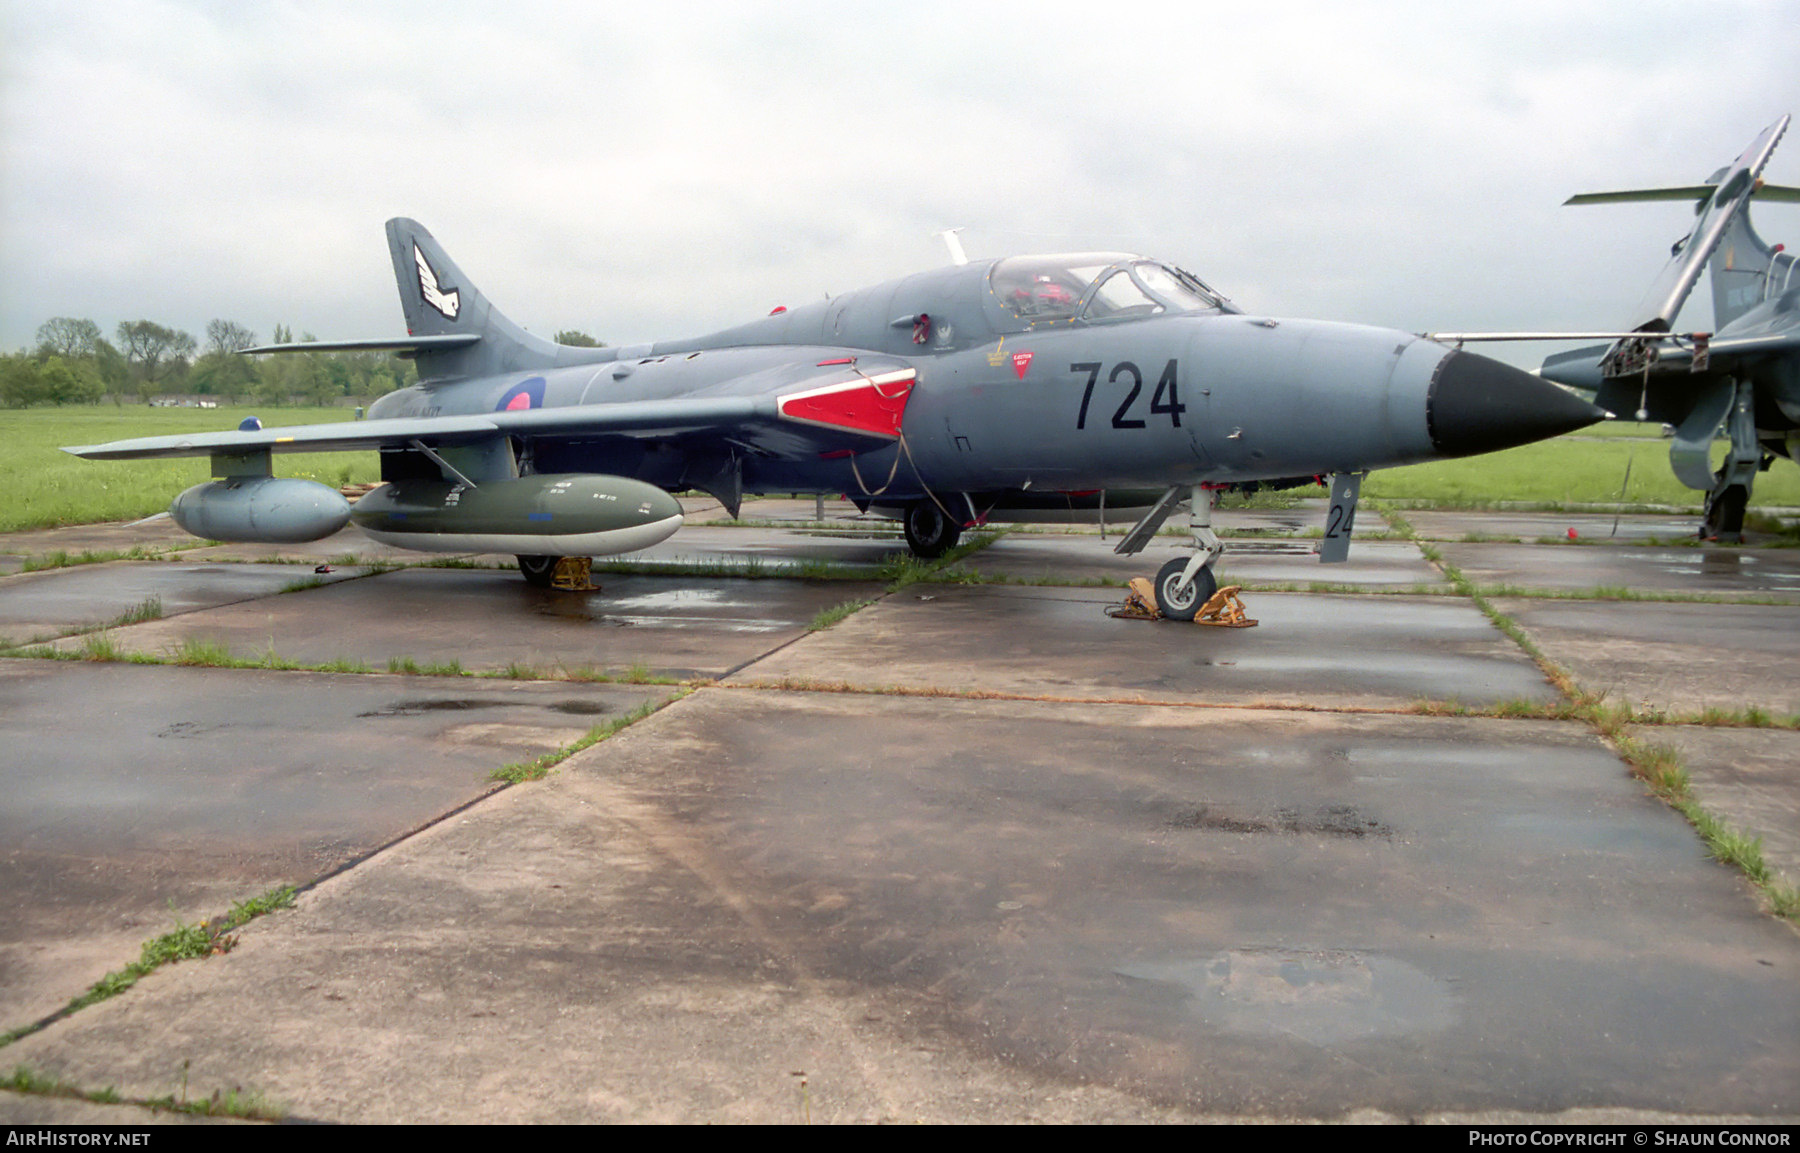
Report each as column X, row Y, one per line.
column 805, row 413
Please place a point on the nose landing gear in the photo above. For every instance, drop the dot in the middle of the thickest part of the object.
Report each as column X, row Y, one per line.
column 1184, row 585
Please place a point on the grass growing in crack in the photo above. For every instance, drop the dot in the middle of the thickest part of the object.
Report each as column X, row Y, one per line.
column 234, row 1102
column 148, row 609
column 831, row 616
column 304, row 583
column 249, row 909
column 1658, row 765
column 182, row 943
column 201, row 651
column 99, row 647
column 61, row 558
column 343, row 665
column 903, row 569
column 539, row 767
column 406, row 666
column 635, row 674
column 25, row 1079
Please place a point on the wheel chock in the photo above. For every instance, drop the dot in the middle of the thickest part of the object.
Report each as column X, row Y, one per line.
column 573, row 574
column 1140, row 602
column 1222, row 610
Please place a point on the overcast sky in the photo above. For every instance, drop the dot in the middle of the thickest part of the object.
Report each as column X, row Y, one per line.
column 650, row 175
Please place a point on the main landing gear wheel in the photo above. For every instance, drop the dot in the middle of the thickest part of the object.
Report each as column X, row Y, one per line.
column 538, row 570
column 1183, row 604
column 929, row 533
column 1725, row 515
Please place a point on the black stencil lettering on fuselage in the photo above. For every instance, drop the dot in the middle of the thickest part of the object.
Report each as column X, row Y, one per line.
column 1164, row 401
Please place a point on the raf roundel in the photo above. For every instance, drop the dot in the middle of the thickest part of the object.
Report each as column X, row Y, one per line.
column 527, row 393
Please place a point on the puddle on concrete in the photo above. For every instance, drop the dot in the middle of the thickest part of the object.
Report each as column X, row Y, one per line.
column 417, row 708
column 578, row 708
column 1320, row 996
column 434, row 705
column 674, row 608
column 716, row 624
column 675, row 599
column 1723, row 563
column 1602, row 834
column 1330, row 820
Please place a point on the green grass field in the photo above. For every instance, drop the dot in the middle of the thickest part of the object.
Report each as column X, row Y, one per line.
column 41, row 486
column 1579, row 469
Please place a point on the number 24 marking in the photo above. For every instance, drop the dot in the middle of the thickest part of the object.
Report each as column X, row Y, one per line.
column 1166, row 398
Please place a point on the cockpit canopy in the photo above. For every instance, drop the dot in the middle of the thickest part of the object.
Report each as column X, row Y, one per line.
column 1096, row 286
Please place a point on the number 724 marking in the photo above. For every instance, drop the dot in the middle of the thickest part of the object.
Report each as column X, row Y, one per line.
column 1165, row 400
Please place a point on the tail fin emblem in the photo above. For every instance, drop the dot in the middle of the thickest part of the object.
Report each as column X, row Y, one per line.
column 447, row 303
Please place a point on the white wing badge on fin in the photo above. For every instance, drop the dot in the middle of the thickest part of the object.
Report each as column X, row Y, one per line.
column 446, row 303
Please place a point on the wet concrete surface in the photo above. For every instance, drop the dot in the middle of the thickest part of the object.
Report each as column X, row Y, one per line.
column 1059, row 558
column 936, row 906
column 1672, row 655
column 1139, row 918
column 858, row 545
column 486, row 619
column 1712, row 570
column 1750, row 777
column 139, row 795
column 158, row 535
column 1593, row 527
column 57, row 602
column 1060, row 642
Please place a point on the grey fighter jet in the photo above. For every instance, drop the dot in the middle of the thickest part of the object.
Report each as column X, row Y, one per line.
column 1744, row 376
column 946, row 397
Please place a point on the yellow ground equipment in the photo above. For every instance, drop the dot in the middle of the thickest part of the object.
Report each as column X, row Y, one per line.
column 1222, row 610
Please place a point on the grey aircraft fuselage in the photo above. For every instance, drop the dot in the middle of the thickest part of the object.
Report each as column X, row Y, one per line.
column 1008, row 402
column 941, row 397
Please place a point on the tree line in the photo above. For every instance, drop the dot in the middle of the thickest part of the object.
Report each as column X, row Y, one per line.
column 74, row 363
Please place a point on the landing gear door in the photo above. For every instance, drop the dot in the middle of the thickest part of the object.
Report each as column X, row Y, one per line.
column 1340, row 519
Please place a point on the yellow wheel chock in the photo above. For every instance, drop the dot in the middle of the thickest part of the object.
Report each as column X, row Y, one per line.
column 1222, row 610
column 574, row 574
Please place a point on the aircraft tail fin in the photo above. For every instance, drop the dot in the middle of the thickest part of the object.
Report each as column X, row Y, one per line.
column 1721, row 220
column 439, row 300
column 1746, row 270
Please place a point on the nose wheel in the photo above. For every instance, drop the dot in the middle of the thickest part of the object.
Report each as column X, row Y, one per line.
column 1179, row 598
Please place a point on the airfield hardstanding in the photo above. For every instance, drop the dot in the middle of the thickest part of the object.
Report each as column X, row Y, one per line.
column 946, row 398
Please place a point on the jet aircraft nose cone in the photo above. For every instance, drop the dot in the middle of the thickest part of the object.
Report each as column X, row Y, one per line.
column 1480, row 405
